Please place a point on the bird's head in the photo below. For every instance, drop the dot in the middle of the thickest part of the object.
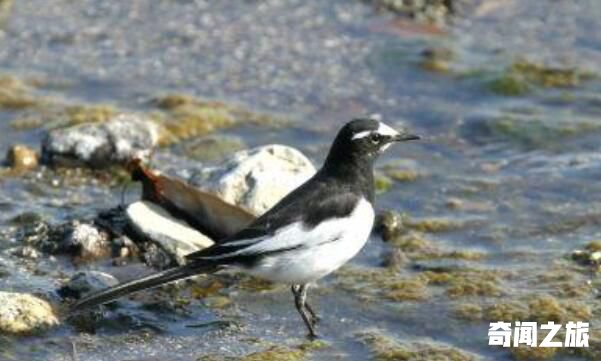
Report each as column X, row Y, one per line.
column 366, row 138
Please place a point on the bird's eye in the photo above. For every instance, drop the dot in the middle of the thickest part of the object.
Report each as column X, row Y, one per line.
column 375, row 138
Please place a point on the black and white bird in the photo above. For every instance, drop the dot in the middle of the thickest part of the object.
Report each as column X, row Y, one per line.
column 310, row 233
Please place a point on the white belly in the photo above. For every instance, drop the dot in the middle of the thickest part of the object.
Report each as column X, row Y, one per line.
column 319, row 257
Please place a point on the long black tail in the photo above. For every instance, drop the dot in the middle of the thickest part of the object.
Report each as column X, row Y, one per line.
column 125, row 288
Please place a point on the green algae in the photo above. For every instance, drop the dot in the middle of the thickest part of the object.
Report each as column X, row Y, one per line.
column 375, row 284
column 79, row 114
column 436, row 60
column 593, row 246
column 507, row 312
column 522, row 77
column 15, row 94
column 55, row 115
column 184, row 116
column 274, row 353
column 403, row 176
column 212, row 148
column 537, row 308
column 524, row 353
column 416, row 247
column 546, row 130
column 386, row 348
column 433, row 225
column 382, row 184
column 468, row 311
column 407, row 289
column 217, row 302
column 392, row 224
column 192, row 120
column 467, row 282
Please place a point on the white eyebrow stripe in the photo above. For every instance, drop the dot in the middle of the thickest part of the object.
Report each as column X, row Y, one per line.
column 362, row 134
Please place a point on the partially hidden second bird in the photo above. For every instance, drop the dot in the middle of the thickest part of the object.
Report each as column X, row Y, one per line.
column 310, row 233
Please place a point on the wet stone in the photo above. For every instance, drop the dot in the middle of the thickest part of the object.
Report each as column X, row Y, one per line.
column 21, row 157
column 389, row 224
column 83, row 283
column 101, row 144
column 590, row 256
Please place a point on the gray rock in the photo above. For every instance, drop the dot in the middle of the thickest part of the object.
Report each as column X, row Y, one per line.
column 101, row 144
column 174, row 236
column 24, row 313
column 85, row 282
column 258, row 178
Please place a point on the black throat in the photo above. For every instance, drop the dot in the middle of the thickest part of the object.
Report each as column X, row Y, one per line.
column 350, row 168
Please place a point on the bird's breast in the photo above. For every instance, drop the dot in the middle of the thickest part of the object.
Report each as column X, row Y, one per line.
column 325, row 248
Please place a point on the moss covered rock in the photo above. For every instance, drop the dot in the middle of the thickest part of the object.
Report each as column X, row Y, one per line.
column 23, row 313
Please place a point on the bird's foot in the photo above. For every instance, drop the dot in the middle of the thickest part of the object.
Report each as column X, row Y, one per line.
column 312, row 336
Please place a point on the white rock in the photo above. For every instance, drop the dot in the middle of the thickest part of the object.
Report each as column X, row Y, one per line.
column 258, row 178
column 99, row 144
column 174, row 236
column 24, row 313
column 90, row 242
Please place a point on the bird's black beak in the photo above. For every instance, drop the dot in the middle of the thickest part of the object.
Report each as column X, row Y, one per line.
column 403, row 136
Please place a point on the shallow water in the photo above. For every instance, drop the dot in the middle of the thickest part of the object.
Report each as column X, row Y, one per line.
column 524, row 168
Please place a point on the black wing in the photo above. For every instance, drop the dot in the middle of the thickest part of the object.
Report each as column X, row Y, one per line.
column 313, row 202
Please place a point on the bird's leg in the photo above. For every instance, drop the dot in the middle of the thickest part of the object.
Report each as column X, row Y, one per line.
column 300, row 300
column 314, row 317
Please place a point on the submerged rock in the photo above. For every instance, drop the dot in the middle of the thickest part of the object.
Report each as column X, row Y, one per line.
column 102, row 144
column 24, row 313
column 258, row 178
column 83, row 283
column 21, row 157
column 589, row 256
column 174, row 236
